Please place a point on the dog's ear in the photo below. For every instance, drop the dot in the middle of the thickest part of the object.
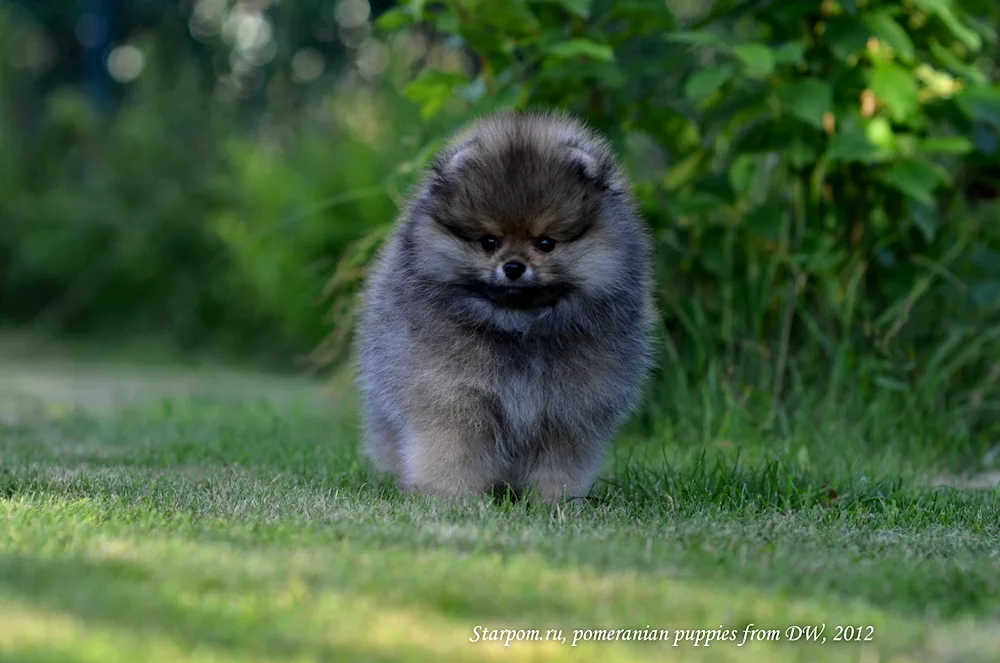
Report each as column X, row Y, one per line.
column 593, row 165
column 451, row 161
column 588, row 167
column 448, row 164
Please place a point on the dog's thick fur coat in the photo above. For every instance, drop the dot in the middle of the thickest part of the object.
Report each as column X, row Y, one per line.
column 471, row 380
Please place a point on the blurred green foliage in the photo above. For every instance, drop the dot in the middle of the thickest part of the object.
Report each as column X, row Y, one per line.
column 821, row 177
column 191, row 212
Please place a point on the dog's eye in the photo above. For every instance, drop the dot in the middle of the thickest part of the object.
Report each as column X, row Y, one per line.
column 489, row 243
column 545, row 244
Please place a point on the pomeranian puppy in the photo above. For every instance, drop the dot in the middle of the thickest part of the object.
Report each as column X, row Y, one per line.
column 505, row 329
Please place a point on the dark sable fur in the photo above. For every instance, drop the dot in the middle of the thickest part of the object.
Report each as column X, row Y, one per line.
column 532, row 297
column 471, row 380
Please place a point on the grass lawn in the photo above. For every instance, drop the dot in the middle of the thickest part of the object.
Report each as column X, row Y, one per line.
column 169, row 514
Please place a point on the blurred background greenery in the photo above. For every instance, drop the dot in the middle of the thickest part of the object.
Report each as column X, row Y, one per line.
column 821, row 176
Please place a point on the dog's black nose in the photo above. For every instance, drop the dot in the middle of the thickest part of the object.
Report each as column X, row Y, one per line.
column 514, row 270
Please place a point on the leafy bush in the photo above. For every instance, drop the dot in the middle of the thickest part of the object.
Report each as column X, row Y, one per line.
column 296, row 199
column 813, row 171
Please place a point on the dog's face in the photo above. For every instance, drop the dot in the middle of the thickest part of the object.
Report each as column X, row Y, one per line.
column 514, row 224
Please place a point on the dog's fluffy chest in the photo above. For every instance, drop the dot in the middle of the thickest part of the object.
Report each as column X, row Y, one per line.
column 533, row 392
column 524, row 398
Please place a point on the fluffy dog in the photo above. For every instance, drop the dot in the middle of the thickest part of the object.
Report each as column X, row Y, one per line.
column 505, row 329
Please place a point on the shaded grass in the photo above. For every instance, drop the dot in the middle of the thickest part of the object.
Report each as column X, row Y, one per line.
column 214, row 528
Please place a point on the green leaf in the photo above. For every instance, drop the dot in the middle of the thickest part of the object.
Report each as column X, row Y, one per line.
column 573, row 48
column 946, row 145
column 845, row 36
column 579, row 8
column 808, row 100
column 743, row 173
column 497, row 24
column 757, row 58
column 914, row 178
column 982, row 104
column 432, row 89
column 943, row 10
column 790, row 53
column 896, row 88
column 682, row 172
column 892, row 33
column 702, row 83
column 851, row 148
column 697, row 38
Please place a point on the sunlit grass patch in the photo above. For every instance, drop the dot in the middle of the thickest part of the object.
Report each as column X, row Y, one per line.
column 212, row 528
